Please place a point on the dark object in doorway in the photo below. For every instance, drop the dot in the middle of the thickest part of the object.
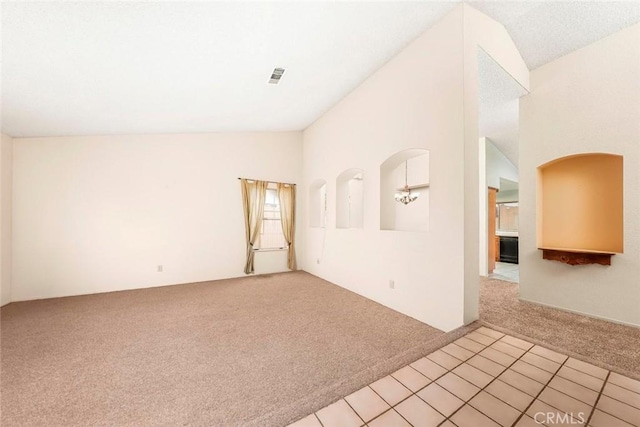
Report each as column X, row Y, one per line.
column 509, row 249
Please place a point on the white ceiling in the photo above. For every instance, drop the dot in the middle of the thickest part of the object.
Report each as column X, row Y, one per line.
column 543, row 32
column 546, row 30
column 165, row 67
column 77, row 68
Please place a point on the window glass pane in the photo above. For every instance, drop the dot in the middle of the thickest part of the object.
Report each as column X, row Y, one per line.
column 507, row 217
column 271, row 198
column 271, row 235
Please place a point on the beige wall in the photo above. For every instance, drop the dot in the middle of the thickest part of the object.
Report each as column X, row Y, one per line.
column 97, row 214
column 6, row 166
column 581, row 203
column 414, row 101
column 585, row 102
column 480, row 31
column 422, row 98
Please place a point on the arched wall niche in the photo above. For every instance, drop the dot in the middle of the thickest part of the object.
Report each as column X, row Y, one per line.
column 580, row 204
column 414, row 163
column 350, row 199
column 318, row 203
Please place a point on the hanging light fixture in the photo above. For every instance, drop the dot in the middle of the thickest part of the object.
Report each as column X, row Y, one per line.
column 404, row 195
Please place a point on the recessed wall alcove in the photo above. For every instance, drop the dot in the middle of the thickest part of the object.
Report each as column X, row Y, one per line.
column 350, row 199
column 318, row 203
column 580, row 208
column 410, row 166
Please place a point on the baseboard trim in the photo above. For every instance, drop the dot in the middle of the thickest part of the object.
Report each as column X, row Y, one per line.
column 594, row 316
column 101, row 292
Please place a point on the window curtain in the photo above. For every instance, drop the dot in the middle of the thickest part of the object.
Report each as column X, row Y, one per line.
column 253, row 196
column 287, row 197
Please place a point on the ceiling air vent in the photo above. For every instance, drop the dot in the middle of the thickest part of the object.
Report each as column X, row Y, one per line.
column 276, row 75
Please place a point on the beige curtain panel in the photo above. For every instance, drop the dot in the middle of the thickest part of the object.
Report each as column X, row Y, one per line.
column 287, row 196
column 253, row 197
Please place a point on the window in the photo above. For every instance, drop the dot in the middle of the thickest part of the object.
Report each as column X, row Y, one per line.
column 507, row 216
column 271, row 235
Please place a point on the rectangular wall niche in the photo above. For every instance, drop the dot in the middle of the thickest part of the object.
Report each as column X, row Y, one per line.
column 580, row 208
column 318, row 203
column 350, row 199
column 410, row 167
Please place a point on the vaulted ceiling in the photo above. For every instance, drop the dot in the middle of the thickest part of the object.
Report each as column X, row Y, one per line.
column 77, row 68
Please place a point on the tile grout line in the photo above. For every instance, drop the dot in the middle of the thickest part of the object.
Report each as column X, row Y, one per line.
column 504, row 370
column 547, row 384
column 565, row 351
column 355, row 412
column 434, row 382
column 580, row 372
column 595, row 404
column 383, row 412
column 422, row 388
column 392, row 406
column 590, row 389
column 553, row 351
column 566, row 394
column 573, row 397
column 477, row 353
column 587, row 373
column 612, row 398
column 623, row 387
column 539, row 393
column 498, row 379
column 476, row 331
column 488, row 373
column 402, row 384
column 487, row 385
column 431, row 381
column 397, row 412
column 620, row 401
column 554, row 374
column 315, row 413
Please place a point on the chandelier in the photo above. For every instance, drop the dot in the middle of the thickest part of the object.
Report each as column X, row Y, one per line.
column 404, row 195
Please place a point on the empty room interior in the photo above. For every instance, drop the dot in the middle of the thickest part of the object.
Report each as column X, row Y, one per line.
column 320, row 214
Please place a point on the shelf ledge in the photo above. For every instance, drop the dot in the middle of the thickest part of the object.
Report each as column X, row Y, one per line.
column 576, row 256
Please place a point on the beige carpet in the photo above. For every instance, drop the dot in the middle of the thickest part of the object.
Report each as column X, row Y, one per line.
column 261, row 351
column 610, row 345
column 258, row 351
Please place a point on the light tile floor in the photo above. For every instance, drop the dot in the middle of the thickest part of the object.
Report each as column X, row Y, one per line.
column 489, row 379
column 506, row 271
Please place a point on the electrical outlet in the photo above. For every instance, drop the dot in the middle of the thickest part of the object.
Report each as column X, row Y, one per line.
column 160, row 269
column 392, row 284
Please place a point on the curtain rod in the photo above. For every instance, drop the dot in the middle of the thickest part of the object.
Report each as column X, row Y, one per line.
column 271, row 182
